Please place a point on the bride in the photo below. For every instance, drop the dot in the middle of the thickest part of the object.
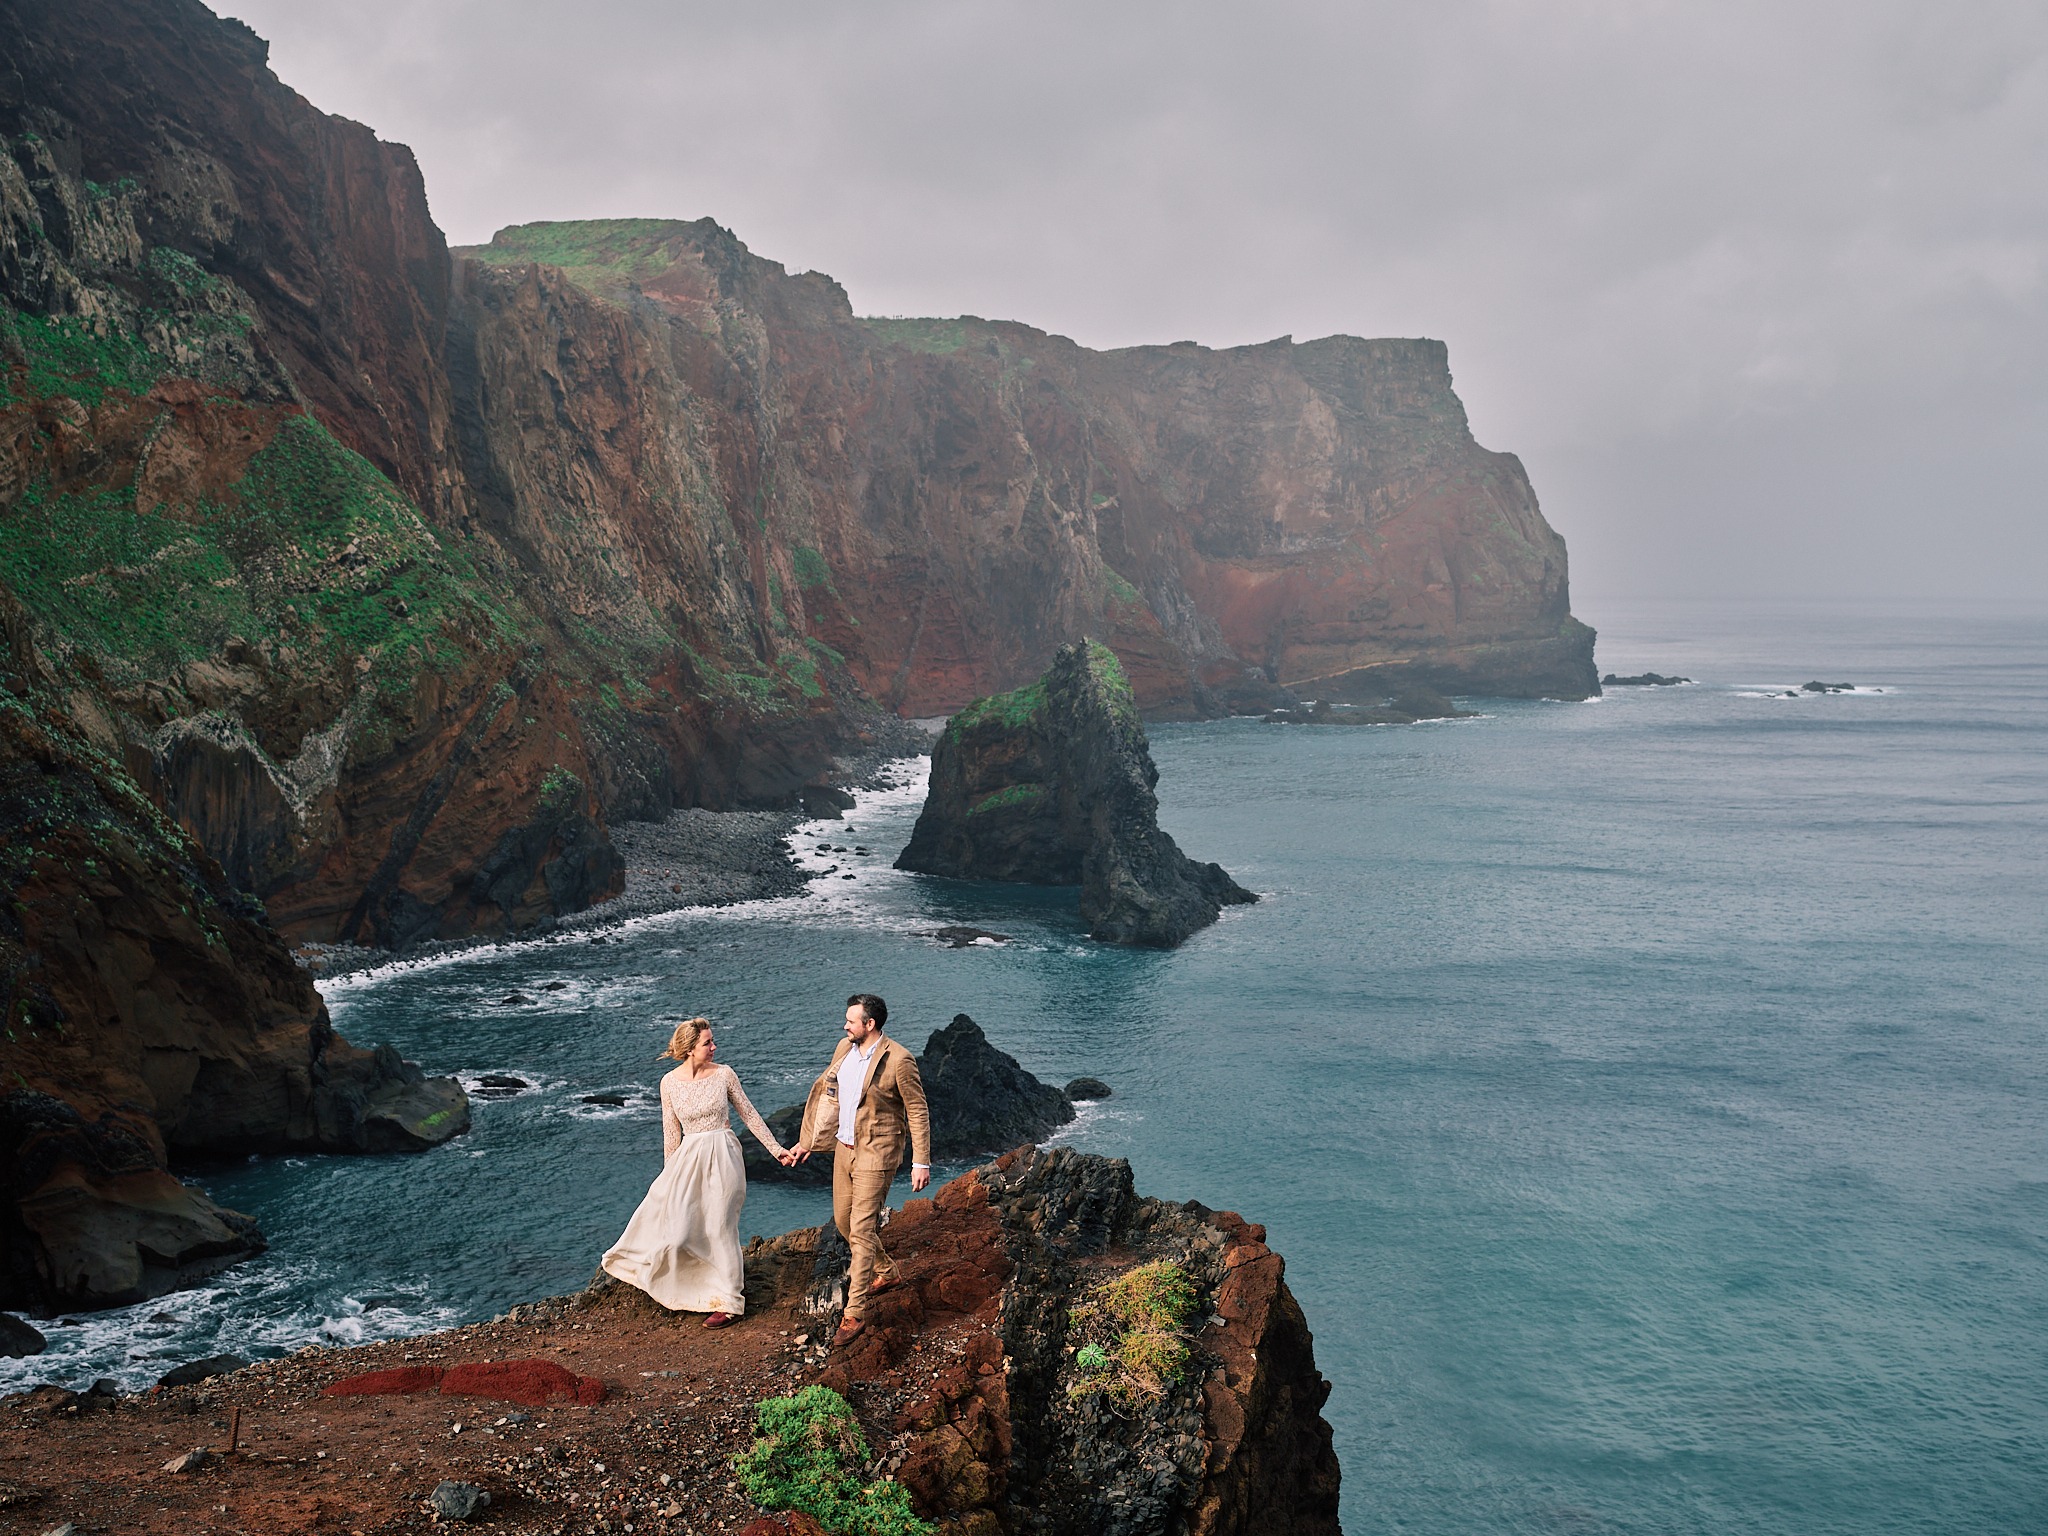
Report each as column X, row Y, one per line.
column 682, row 1246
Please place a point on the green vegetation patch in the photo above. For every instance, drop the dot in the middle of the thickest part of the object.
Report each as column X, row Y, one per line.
column 313, row 545
column 810, row 567
column 1013, row 794
column 1132, row 1336
column 602, row 256
column 807, row 1456
column 1120, row 591
column 938, row 336
column 82, row 360
column 1018, row 707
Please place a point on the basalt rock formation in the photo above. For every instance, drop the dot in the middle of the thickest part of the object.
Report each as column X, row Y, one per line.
column 149, row 1012
column 1016, row 1436
column 396, row 574
column 1053, row 784
column 980, row 1099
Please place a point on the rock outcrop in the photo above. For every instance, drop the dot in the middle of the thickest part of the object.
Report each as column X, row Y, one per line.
column 150, row 1012
column 968, row 1386
column 1014, row 1435
column 979, row 1098
column 1053, row 784
column 397, row 574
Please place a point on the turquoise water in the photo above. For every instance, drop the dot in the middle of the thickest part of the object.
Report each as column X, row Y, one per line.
column 1648, row 1095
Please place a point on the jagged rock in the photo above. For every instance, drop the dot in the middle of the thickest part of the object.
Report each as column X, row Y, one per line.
column 195, row 1371
column 979, row 1098
column 1083, row 1089
column 1010, row 1437
column 190, row 1461
column 1053, row 785
column 1819, row 687
column 458, row 1501
column 18, row 1339
column 154, row 1013
column 959, row 936
column 1642, row 680
column 1408, row 707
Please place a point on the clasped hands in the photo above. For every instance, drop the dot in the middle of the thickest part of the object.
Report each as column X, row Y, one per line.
column 919, row 1177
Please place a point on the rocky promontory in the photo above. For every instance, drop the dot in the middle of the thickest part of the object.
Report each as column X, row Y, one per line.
column 150, row 1013
column 1062, row 1357
column 1054, row 784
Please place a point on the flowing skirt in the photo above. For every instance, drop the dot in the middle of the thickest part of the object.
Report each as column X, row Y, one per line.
column 682, row 1246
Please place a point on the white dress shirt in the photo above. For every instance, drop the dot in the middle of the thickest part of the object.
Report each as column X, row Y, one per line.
column 853, row 1073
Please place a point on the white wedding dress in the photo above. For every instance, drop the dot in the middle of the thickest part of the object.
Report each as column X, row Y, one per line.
column 682, row 1246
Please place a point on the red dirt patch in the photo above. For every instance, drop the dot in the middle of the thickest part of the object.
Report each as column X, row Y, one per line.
column 404, row 1380
column 531, row 1382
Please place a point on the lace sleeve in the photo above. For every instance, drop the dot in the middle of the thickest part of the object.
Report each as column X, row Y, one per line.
column 737, row 1097
column 671, row 1127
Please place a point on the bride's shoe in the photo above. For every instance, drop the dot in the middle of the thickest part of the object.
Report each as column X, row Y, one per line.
column 720, row 1320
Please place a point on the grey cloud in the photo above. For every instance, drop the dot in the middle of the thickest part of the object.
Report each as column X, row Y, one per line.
column 1759, row 291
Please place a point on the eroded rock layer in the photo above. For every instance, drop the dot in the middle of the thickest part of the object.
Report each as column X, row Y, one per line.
column 1053, row 784
column 149, row 1012
column 396, row 574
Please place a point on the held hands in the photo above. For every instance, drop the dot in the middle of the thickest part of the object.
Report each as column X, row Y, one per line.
column 790, row 1159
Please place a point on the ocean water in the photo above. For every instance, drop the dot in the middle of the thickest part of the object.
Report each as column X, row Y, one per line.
column 1650, row 1096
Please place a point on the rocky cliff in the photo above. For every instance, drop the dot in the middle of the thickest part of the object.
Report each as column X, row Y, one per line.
column 394, row 574
column 1053, row 784
column 973, row 1389
column 149, row 1012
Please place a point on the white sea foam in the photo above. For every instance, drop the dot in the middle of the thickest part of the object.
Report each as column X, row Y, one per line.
column 249, row 1311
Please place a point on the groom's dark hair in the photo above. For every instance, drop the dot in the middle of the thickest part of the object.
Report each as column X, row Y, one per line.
column 871, row 1005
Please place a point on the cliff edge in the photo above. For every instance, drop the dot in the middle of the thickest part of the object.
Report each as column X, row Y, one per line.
column 1054, row 784
column 999, row 1385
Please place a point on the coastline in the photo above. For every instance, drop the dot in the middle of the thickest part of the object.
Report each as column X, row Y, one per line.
column 691, row 858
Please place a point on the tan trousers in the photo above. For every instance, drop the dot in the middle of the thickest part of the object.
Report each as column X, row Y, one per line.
column 858, row 1196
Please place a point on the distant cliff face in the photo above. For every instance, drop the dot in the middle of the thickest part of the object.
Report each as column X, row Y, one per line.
column 394, row 575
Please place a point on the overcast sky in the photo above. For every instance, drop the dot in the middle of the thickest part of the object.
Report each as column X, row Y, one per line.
column 1759, row 291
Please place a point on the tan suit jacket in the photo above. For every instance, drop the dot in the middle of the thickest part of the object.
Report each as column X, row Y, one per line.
column 891, row 1110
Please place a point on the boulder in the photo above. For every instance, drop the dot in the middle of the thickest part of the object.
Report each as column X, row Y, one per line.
column 18, row 1339
column 1642, row 680
column 1082, row 1089
column 1053, row 784
column 457, row 1501
column 981, row 1100
column 192, row 1372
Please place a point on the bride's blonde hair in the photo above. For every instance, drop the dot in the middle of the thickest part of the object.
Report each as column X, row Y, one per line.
column 684, row 1040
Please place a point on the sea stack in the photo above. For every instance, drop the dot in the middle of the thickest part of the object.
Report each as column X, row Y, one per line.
column 1052, row 784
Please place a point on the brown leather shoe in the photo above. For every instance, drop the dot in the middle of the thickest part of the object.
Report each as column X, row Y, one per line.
column 887, row 1281
column 849, row 1330
column 720, row 1320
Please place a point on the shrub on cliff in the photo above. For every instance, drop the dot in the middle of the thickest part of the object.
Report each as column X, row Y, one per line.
column 807, row 1458
column 1132, row 1346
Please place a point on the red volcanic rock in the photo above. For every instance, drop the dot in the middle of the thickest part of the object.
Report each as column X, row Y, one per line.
column 400, row 1381
column 522, row 1381
column 150, row 1011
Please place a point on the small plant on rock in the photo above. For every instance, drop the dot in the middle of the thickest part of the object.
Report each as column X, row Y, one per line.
column 1133, row 1346
column 807, row 1457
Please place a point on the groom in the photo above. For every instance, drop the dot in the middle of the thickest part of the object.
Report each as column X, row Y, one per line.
column 864, row 1107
